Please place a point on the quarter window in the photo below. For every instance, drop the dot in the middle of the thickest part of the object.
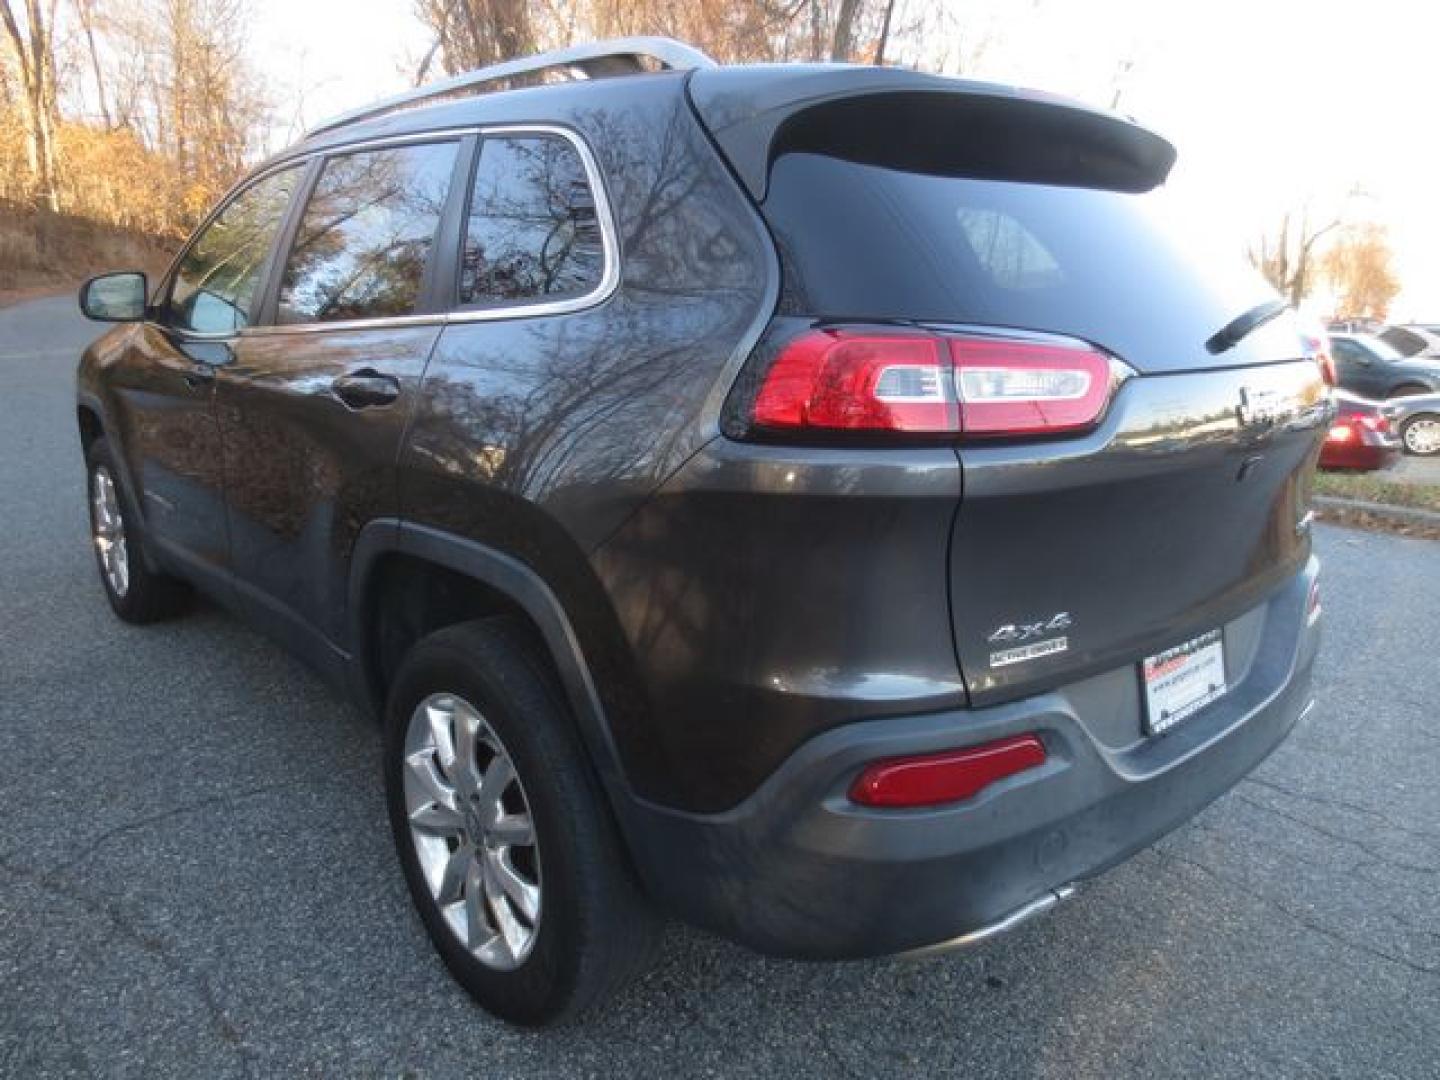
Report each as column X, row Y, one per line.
column 532, row 232
column 216, row 280
column 366, row 235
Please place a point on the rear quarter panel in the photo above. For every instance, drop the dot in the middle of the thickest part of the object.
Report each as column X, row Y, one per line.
column 540, row 436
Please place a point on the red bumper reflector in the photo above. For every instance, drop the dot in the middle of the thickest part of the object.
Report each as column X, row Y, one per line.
column 949, row 776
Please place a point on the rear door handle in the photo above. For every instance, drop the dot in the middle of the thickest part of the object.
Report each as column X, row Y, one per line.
column 366, row 389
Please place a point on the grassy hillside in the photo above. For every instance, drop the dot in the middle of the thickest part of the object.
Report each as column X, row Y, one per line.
column 40, row 249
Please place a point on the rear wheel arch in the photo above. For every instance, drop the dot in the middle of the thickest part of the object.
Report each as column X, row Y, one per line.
column 407, row 581
column 1410, row 388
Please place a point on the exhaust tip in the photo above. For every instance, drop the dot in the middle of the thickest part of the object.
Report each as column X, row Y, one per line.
column 1042, row 903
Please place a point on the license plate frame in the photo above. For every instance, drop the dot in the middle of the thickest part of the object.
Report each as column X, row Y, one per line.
column 1182, row 680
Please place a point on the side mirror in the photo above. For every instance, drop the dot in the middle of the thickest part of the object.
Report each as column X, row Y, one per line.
column 116, row 297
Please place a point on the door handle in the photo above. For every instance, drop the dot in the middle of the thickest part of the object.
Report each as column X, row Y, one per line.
column 366, row 389
column 199, row 375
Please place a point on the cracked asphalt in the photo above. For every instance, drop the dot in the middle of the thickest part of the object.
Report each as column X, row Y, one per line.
column 196, row 877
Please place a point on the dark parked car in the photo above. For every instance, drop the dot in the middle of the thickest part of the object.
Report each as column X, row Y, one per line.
column 1362, row 435
column 821, row 503
column 1369, row 367
column 1417, row 419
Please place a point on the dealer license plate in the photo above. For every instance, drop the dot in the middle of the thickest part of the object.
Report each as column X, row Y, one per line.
column 1179, row 682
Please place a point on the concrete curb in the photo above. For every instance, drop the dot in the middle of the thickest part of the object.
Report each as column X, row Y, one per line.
column 1408, row 514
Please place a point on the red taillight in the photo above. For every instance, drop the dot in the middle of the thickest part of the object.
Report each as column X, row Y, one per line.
column 1318, row 350
column 949, row 776
column 846, row 380
column 1340, row 433
column 1026, row 387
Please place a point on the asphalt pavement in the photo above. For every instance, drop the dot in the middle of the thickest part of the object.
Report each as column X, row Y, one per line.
column 196, row 876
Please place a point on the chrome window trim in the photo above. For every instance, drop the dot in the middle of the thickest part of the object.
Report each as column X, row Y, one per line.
column 609, row 238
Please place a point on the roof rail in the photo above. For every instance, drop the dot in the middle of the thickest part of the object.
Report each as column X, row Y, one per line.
column 596, row 59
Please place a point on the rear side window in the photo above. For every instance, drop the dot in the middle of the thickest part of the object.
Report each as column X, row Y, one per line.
column 365, row 239
column 1120, row 269
column 216, row 279
column 532, row 233
column 1405, row 342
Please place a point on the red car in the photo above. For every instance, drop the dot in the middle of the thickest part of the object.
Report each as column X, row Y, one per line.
column 1362, row 436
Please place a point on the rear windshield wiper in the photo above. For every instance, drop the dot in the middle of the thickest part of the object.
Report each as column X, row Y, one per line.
column 1237, row 329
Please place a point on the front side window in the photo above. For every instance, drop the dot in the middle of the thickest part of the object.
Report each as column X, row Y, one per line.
column 532, row 232
column 366, row 235
column 217, row 277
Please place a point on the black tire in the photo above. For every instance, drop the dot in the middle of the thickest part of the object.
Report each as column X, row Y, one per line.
column 596, row 930
column 148, row 595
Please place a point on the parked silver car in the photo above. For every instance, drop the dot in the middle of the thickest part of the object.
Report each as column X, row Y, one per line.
column 1418, row 422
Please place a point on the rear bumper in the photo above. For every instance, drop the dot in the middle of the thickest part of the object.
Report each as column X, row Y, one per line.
column 798, row 870
column 1365, row 458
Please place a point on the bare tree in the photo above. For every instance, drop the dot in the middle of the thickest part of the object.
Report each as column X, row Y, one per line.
column 473, row 33
column 32, row 41
column 885, row 24
column 1286, row 255
column 842, row 41
column 85, row 10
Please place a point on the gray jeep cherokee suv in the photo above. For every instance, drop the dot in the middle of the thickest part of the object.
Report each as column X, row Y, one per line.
column 824, row 504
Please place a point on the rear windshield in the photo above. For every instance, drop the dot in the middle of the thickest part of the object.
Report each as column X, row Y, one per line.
column 1122, row 270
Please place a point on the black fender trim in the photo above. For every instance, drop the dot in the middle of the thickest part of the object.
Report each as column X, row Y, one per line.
column 517, row 581
column 92, row 404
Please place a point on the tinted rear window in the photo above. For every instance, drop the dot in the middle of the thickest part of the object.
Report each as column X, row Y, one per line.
column 532, row 232
column 1406, row 343
column 863, row 241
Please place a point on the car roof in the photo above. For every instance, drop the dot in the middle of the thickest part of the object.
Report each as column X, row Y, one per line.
column 552, row 102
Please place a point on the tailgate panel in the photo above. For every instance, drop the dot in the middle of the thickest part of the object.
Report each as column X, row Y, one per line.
column 1180, row 512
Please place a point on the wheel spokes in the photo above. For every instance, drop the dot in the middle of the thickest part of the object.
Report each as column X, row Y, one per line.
column 440, row 720
column 477, row 928
column 525, row 896
column 513, row 829
column 496, row 900
column 452, row 881
column 466, row 728
column 469, row 827
column 433, row 817
column 425, row 772
column 497, row 778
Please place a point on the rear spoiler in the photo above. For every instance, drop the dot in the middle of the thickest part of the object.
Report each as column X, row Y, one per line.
column 922, row 123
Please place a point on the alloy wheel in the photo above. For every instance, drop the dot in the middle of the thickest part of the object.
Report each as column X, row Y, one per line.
column 108, row 531
column 471, row 825
column 1422, row 436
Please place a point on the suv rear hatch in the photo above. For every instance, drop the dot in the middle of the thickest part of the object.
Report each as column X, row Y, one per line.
column 962, row 211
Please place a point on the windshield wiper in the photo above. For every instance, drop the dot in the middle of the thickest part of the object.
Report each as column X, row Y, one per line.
column 1237, row 329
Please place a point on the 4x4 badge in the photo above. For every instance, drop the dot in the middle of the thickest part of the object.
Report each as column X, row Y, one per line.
column 1011, row 633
